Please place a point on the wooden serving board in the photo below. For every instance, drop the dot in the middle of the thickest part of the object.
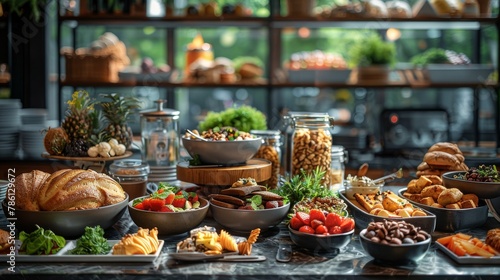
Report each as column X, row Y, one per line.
column 259, row 169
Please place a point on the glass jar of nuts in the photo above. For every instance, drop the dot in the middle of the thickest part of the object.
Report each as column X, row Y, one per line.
column 312, row 145
column 270, row 150
column 337, row 167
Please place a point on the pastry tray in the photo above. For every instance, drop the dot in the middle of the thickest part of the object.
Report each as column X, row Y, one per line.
column 64, row 256
column 468, row 259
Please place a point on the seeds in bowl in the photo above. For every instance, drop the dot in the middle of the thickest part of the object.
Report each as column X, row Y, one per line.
column 222, row 134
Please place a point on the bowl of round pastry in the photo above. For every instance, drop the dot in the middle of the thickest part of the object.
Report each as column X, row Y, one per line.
column 65, row 201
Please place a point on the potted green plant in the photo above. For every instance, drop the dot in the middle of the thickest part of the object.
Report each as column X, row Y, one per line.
column 30, row 8
column 373, row 57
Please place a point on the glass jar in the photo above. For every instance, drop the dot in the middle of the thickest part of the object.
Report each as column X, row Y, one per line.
column 312, row 145
column 160, row 136
column 337, row 167
column 132, row 174
column 271, row 151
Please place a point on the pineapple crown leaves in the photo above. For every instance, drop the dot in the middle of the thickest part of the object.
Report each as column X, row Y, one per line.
column 118, row 108
column 80, row 101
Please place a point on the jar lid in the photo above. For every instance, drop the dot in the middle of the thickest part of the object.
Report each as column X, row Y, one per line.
column 129, row 168
column 275, row 134
column 160, row 111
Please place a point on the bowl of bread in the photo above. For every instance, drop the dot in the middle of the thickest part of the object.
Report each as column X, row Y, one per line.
column 454, row 209
column 244, row 208
column 65, row 201
column 221, row 146
column 395, row 242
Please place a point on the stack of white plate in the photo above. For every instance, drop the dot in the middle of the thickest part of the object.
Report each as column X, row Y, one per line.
column 32, row 140
column 3, row 189
column 167, row 174
column 33, row 116
column 10, row 121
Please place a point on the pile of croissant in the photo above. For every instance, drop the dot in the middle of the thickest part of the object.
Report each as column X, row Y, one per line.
column 143, row 242
column 441, row 158
column 66, row 189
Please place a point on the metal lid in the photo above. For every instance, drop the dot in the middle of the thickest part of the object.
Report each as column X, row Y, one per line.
column 160, row 111
column 129, row 168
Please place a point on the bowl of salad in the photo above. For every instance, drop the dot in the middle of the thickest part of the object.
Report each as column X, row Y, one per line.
column 224, row 146
column 170, row 209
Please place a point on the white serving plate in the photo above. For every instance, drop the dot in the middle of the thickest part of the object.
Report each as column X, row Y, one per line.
column 468, row 259
column 64, row 256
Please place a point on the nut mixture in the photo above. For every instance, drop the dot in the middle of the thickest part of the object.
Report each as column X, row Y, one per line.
column 222, row 134
column 271, row 154
column 312, row 149
column 395, row 233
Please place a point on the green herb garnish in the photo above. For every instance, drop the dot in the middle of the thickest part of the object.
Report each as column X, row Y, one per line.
column 41, row 242
column 92, row 242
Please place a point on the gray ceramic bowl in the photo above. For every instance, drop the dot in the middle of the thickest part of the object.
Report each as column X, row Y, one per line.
column 483, row 190
column 395, row 254
column 68, row 223
column 222, row 152
column 451, row 220
column 320, row 243
column 247, row 220
column 169, row 223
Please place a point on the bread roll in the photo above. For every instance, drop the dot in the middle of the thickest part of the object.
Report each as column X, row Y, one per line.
column 449, row 196
column 76, row 189
column 4, row 242
column 432, row 191
column 441, row 160
column 27, row 187
column 493, row 238
column 447, row 147
column 471, row 196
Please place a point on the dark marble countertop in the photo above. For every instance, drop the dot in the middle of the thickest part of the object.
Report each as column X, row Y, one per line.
column 350, row 263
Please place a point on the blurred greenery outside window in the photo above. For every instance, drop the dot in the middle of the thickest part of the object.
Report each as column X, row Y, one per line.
column 234, row 42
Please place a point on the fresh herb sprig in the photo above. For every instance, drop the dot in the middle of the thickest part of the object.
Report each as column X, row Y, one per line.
column 92, row 242
column 304, row 185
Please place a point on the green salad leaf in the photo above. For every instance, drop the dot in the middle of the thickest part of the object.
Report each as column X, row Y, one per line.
column 243, row 118
column 41, row 242
column 92, row 242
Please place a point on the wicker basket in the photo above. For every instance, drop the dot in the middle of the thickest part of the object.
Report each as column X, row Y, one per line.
column 88, row 65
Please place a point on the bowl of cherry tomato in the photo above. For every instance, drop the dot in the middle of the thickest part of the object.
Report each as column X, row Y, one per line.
column 321, row 231
column 170, row 209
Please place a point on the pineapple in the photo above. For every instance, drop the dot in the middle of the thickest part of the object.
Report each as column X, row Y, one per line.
column 78, row 122
column 117, row 111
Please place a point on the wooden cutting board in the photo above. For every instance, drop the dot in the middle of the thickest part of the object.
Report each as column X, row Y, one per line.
column 259, row 169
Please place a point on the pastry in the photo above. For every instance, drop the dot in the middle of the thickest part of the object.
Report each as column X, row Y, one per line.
column 493, row 238
column 143, row 242
column 4, row 242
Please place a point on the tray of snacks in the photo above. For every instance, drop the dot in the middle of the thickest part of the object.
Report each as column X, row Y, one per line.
column 454, row 210
column 387, row 205
column 467, row 249
column 90, row 247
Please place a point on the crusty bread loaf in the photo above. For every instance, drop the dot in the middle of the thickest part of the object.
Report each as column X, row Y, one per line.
column 27, row 187
column 77, row 189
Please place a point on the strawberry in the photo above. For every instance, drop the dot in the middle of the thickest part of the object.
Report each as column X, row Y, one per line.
column 315, row 223
column 139, row 205
column 169, row 199
column 272, row 204
column 347, row 224
column 316, row 214
column 306, row 229
column 280, row 203
column 303, row 217
column 146, row 204
column 179, row 201
column 333, row 219
column 193, row 197
column 165, row 208
column 155, row 204
column 335, row 230
column 321, row 229
column 295, row 223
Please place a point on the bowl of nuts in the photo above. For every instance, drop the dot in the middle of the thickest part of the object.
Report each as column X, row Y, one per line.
column 395, row 242
column 221, row 146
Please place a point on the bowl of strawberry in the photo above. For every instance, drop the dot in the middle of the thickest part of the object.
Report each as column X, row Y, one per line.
column 170, row 209
column 321, row 231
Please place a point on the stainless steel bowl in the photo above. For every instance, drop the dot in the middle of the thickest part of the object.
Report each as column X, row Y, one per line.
column 247, row 220
column 363, row 218
column 320, row 243
column 483, row 190
column 451, row 220
column 225, row 153
column 395, row 254
column 169, row 223
column 67, row 223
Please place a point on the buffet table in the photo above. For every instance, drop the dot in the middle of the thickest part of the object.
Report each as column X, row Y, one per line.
column 351, row 263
